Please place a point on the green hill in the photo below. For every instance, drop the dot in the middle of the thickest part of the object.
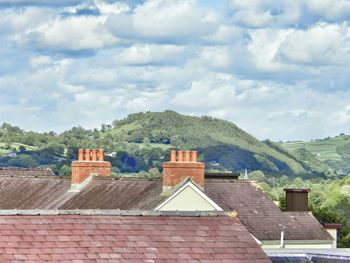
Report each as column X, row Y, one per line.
column 331, row 151
column 143, row 140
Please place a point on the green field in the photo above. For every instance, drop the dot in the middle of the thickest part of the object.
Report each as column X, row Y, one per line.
column 14, row 145
column 322, row 149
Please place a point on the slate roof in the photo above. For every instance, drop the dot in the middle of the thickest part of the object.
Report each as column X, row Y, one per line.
column 29, row 192
column 256, row 210
column 260, row 215
column 13, row 171
column 308, row 223
column 115, row 238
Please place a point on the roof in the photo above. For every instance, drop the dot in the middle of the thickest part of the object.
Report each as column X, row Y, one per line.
column 95, row 237
column 256, row 210
column 14, row 171
column 30, row 192
column 260, row 214
column 124, row 193
column 308, row 224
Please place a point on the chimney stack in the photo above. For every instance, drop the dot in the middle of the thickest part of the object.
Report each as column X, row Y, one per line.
column 297, row 199
column 182, row 165
column 90, row 162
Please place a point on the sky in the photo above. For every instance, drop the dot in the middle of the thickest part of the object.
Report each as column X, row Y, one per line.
column 277, row 69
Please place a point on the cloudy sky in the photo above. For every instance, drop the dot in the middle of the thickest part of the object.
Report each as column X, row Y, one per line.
column 277, row 69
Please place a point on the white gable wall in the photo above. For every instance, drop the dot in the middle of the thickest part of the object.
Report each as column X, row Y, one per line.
column 188, row 198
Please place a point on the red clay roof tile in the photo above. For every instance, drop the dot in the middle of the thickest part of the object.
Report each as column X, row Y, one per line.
column 175, row 239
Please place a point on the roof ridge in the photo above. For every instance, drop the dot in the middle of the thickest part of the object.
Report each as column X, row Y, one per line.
column 36, row 176
column 114, row 212
column 126, row 178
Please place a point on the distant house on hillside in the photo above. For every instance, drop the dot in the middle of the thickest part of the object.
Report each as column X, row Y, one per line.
column 11, row 154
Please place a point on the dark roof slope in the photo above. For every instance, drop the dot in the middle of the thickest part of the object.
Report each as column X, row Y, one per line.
column 309, row 223
column 100, row 238
column 259, row 213
column 32, row 193
column 11, row 171
column 125, row 194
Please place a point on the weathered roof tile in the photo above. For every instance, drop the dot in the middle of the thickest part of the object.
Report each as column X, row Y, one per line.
column 164, row 243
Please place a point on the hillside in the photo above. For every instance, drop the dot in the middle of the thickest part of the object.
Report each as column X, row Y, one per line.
column 332, row 151
column 142, row 141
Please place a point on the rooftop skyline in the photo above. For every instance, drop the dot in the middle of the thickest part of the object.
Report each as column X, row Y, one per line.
column 277, row 69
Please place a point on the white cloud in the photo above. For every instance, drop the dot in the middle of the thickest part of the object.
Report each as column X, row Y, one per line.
column 260, row 13
column 330, row 9
column 72, row 33
column 149, row 54
column 322, row 44
column 164, row 21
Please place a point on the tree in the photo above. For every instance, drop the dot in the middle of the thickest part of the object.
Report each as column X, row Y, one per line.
column 257, row 176
column 22, row 149
column 23, row 160
column 65, row 170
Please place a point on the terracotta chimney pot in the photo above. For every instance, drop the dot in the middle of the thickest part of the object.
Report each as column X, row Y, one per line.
column 101, row 155
column 194, row 156
column 81, row 154
column 87, row 154
column 180, row 157
column 173, row 156
column 187, row 156
column 94, row 155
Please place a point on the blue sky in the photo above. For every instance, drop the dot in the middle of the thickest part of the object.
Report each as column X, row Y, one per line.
column 277, row 69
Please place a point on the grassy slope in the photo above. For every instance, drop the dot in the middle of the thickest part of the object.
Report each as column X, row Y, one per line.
column 14, row 145
column 322, row 149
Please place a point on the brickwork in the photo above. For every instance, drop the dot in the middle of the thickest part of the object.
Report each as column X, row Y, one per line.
column 182, row 165
column 89, row 162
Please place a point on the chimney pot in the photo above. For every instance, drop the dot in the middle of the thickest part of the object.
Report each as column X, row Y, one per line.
column 93, row 155
column 187, row 156
column 194, row 156
column 87, row 154
column 173, row 156
column 80, row 154
column 180, row 156
column 101, row 155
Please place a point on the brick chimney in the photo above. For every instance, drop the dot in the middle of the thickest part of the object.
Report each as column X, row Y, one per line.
column 182, row 165
column 90, row 162
column 297, row 199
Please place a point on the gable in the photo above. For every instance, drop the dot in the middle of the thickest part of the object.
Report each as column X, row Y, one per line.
column 188, row 198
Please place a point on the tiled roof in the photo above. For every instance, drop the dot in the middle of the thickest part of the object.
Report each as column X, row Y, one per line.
column 30, row 192
column 309, row 223
column 9, row 171
column 113, row 238
column 259, row 213
column 125, row 194
column 256, row 210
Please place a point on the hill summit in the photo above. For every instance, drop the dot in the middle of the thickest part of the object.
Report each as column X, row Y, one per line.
column 142, row 141
column 222, row 144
